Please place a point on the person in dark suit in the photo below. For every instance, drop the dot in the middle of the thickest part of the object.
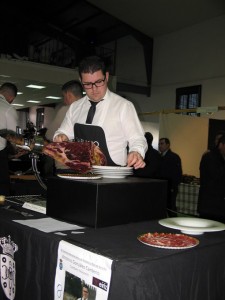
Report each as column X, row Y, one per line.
column 211, row 199
column 171, row 170
column 152, row 160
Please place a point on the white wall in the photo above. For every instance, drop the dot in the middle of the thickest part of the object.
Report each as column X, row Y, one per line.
column 185, row 140
column 191, row 56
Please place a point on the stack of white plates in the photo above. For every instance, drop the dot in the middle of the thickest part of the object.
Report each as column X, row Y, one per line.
column 112, row 172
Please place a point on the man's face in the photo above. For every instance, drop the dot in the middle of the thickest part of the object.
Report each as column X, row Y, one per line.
column 95, row 93
column 66, row 98
column 221, row 148
column 10, row 99
column 69, row 98
column 217, row 137
column 85, row 293
column 163, row 146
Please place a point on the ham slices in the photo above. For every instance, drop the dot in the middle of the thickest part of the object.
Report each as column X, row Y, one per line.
column 79, row 156
column 168, row 240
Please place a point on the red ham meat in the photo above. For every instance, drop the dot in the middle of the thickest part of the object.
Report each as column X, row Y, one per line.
column 79, row 156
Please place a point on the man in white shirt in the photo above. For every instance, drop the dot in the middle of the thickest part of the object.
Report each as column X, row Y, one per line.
column 115, row 126
column 9, row 121
column 71, row 91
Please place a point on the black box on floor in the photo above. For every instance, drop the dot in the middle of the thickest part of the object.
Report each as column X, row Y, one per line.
column 106, row 202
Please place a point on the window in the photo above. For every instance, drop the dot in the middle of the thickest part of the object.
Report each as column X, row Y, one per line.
column 187, row 98
column 39, row 118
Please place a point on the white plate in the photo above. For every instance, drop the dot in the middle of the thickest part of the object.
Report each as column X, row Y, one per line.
column 193, row 226
column 113, row 168
column 75, row 177
column 112, row 172
column 113, row 176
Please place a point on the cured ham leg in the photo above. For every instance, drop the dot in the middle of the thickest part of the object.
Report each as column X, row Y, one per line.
column 79, row 156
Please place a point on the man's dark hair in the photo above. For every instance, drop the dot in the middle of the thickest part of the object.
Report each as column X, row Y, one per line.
column 167, row 141
column 74, row 86
column 9, row 87
column 92, row 64
column 85, row 286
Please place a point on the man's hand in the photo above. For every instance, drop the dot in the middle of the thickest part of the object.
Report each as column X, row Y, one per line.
column 134, row 159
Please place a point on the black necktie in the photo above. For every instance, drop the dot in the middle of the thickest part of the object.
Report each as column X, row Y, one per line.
column 91, row 112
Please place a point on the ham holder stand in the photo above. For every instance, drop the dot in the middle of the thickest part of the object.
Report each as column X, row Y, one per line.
column 33, row 143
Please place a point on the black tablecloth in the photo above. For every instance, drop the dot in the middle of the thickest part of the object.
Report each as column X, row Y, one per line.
column 138, row 271
column 144, row 272
column 35, row 259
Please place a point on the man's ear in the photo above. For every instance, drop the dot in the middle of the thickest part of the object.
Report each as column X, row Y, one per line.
column 107, row 76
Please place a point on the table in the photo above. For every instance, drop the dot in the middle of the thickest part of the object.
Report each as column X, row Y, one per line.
column 187, row 198
column 35, row 258
column 138, row 271
column 25, row 184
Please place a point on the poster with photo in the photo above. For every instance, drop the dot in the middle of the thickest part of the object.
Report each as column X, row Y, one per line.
column 81, row 274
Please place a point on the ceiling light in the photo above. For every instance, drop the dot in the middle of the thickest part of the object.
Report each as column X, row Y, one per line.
column 34, row 86
column 15, row 104
column 5, row 76
column 19, row 93
column 33, row 101
column 53, row 97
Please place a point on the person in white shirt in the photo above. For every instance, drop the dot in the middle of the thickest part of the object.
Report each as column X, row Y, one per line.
column 71, row 91
column 8, row 121
column 116, row 127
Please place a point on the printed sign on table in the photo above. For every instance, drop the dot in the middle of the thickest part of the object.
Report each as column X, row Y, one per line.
column 81, row 273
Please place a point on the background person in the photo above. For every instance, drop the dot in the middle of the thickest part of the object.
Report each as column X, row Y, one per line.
column 115, row 124
column 85, row 293
column 71, row 91
column 211, row 199
column 8, row 120
column 171, row 170
column 216, row 139
column 152, row 160
column 219, row 134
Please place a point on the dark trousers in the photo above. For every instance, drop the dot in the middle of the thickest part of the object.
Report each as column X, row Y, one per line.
column 4, row 173
column 172, row 197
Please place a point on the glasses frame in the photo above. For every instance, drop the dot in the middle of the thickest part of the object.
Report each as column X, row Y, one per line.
column 96, row 84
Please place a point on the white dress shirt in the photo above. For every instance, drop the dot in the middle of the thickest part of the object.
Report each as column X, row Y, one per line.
column 119, row 120
column 8, row 118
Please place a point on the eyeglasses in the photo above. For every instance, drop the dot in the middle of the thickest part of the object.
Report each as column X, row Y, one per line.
column 97, row 83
